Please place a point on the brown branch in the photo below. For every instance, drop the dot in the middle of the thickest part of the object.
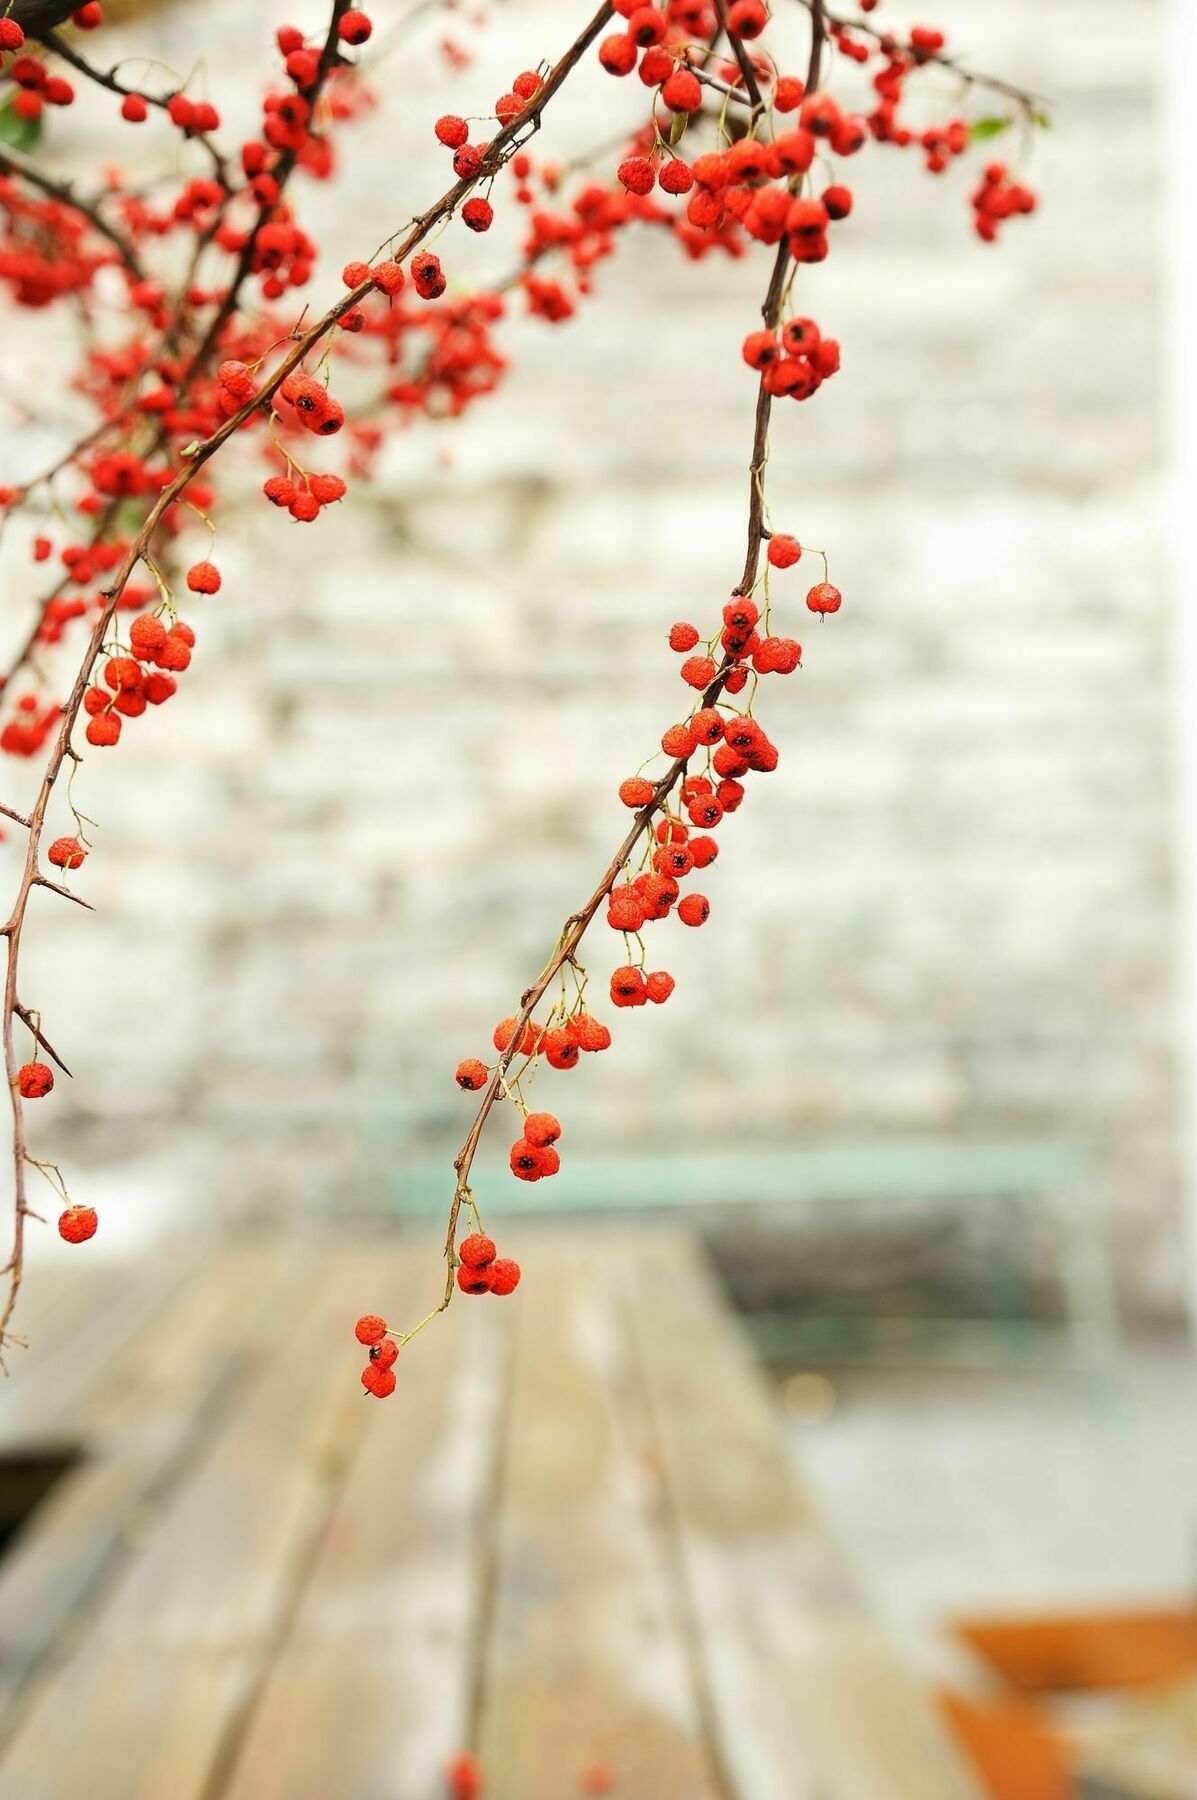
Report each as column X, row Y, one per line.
column 504, row 142
column 818, row 37
column 747, row 72
column 64, row 193
column 578, row 923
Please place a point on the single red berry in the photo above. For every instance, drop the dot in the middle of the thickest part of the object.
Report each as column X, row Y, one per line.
column 77, row 1224
column 354, row 27
column 66, row 853
column 676, row 177
column 203, row 578
column 618, row 54
column 378, row 1380
column 452, row 131
column 370, row 1329
column 659, row 986
column 679, row 741
column 627, row 986
column 134, row 109
column 559, row 1049
column 467, row 162
column 784, row 551
column 683, row 636
column 542, row 1128
column 476, row 1250
column 478, row 214
column 388, row 276
column 636, row 791
column 326, row 489
column 747, row 18
column 698, row 671
column 682, row 93
column 504, row 1275
column 471, row 1075
column 11, row 35
column 824, row 598
column 104, row 729
column 385, row 1353
column 695, row 909
column 34, row 1080
column 474, row 1280
column 637, row 175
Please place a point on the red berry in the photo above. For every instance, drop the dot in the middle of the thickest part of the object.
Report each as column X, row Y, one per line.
column 784, row 551
column 618, row 54
column 637, row 175
column 103, row 729
column 504, row 1275
column 695, row 909
column 478, row 214
column 354, row 27
column 77, row 1224
column 476, row 1250
column 378, row 1379
column 676, row 177
column 636, row 791
column 134, row 109
column 370, row 1329
column 698, row 671
column 824, row 598
column 388, row 276
column 542, row 1128
column 11, row 35
column 474, row 1280
column 471, row 1075
column 683, row 636
column 385, row 1353
column 66, row 853
column 452, row 131
column 203, row 578
column 659, row 986
column 34, row 1080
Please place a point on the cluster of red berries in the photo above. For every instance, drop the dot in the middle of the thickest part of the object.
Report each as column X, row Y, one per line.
column 144, row 678
column 481, row 1271
column 533, row 1155
column 378, row 1376
column 795, row 360
column 47, row 249
column 29, row 727
column 998, row 199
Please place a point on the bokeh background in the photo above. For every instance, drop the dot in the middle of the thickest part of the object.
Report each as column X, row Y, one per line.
column 925, row 1065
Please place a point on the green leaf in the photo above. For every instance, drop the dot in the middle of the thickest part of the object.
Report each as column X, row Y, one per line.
column 676, row 129
column 987, row 128
column 21, row 133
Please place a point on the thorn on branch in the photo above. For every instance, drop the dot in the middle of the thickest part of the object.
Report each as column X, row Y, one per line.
column 56, row 887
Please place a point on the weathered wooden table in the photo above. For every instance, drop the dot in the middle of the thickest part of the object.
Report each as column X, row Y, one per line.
column 572, row 1536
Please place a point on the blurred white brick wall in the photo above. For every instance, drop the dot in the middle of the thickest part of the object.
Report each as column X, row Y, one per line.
column 329, row 866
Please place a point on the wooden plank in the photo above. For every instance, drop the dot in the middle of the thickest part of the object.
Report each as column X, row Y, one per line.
column 148, row 1413
column 47, row 1398
column 587, row 1660
column 139, row 1706
column 371, row 1694
column 806, row 1700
